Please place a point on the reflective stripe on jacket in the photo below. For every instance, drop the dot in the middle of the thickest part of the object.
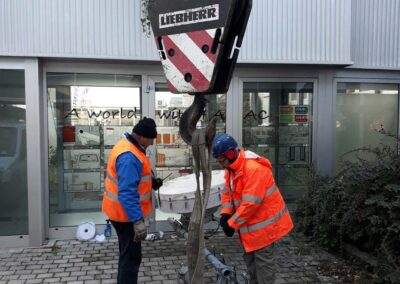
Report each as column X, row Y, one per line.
column 252, row 197
column 112, row 207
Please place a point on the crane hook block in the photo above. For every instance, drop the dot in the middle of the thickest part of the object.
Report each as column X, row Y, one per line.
column 199, row 41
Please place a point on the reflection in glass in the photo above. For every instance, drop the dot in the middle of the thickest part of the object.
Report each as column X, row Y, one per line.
column 13, row 162
column 88, row 114
column 174, row 157
column 173, row 154
column 363, row 113
column 277, row 125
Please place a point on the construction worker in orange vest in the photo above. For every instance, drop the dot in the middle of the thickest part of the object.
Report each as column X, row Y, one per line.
column 127, row 195
column 251, row 205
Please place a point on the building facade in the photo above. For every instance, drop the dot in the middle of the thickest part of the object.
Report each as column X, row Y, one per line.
column 314, row 80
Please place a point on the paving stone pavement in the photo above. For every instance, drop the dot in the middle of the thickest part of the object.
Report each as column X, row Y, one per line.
column 91, row 262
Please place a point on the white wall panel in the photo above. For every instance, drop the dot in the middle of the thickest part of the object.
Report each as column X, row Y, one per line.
column 298, row 31
column 366, row 32
column 279, row 31
column 376, row 34
column 74, row 28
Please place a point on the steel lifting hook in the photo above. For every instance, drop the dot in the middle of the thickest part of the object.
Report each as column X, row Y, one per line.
column 190, row 117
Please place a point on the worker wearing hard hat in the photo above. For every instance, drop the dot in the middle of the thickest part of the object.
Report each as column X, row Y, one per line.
column 127, row 195
column 252, row 205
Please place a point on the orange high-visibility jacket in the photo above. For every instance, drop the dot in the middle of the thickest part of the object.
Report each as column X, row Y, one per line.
column 111, row 206
column 251, row 196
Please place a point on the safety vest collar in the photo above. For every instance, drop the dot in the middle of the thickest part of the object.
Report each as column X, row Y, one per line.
column 251, row 155
column 134, row 142
column 238, row 164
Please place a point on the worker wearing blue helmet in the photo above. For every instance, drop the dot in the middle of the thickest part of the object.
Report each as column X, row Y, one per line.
column 253, row 206
column 224, row 146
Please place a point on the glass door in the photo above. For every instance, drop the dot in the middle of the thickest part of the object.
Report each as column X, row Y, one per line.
column 277, row 124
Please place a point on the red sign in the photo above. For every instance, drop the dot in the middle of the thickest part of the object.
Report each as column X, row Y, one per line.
column 69, row 134
column 301, row 118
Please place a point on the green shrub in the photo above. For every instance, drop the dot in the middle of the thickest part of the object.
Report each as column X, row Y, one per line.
column 360, row 206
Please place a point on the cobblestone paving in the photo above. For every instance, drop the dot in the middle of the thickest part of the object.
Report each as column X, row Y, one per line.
column 90, row 262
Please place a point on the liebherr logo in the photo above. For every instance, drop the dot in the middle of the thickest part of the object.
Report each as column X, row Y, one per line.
column 190, row 16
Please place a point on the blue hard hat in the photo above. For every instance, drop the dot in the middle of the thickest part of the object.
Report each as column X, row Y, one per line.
column 222, row 143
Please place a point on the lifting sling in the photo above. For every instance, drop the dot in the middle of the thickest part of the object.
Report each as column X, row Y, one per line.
column 198, row 42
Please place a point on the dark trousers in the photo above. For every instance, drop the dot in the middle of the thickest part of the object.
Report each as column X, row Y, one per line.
column 130, row 253
column 262, row 265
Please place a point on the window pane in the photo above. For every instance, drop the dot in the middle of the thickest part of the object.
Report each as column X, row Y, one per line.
column 362, row 112
column 13, row 163
column 88, row 114
column 277, row 125
column 173, row 154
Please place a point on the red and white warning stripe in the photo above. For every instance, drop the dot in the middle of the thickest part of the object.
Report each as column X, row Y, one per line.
column 184, row 55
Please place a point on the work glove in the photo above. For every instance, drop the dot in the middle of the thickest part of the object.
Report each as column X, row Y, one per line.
column 157, row 183
column 140, row 231
column 223, row 221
